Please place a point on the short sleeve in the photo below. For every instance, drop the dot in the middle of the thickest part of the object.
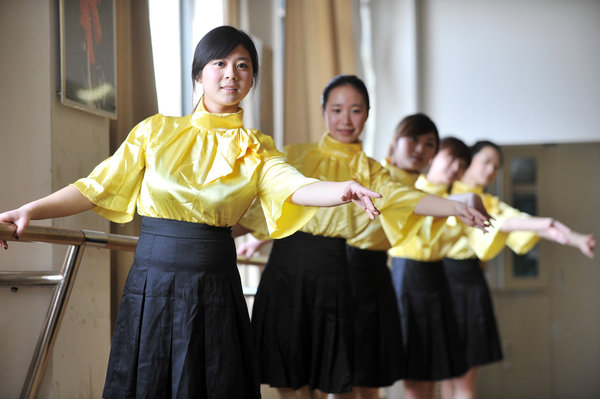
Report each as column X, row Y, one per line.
column 114, row 184
column 488, row 245
column 397, row 212
column 277, row 182
column 254, row 220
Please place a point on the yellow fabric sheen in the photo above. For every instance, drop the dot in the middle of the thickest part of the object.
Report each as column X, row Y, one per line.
column 486, row 246
column 203, row 167
column 373, row 237
column 332, row 160
column 436, row 235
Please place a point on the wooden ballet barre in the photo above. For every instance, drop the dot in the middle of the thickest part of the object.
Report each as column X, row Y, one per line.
column 58, row 235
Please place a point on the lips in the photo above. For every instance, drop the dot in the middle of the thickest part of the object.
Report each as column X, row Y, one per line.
column 345, row 132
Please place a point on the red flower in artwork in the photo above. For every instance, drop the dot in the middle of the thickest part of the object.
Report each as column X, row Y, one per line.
column 89, row 17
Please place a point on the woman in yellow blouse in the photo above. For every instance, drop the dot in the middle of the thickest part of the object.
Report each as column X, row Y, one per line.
column 474, row 311
column 303, row 314
column 430, row 333
column 183, row 328
column 379, row 355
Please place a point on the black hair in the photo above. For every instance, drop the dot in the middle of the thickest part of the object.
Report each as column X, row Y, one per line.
column 345, row 80
column 481, row 144
column 457, row 148
column 413, row 126
column 218, row 43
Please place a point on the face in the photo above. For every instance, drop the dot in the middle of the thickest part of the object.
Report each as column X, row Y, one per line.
column 226, row 81
column 446, row 168
column 345, row 114
column 413, row 153
column 484, row 166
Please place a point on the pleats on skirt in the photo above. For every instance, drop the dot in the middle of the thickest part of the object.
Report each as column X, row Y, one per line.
column 302, row 315
column 431, row 341
column 477, row 327
column 378, row 353
column 183, row 329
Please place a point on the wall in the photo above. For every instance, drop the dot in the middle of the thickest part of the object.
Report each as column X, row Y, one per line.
column 44, row 147
column 548, row 326
column 513, row 71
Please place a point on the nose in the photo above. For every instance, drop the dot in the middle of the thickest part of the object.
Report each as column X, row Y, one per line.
column 454, row 167
column 231, row 72
column 346, row 116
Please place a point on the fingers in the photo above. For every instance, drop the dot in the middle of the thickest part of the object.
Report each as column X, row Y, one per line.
column 561, row 227
column 356, row 191
column 370, row 208
column 559, row 235
column 3, row 244
column 590, row 246
column 478, row 220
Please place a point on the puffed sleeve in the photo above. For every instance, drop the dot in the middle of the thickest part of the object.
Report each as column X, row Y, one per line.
column 397, row 208
column 277, row 182
column 254, row 220
column 487, row 246
column 114, row 184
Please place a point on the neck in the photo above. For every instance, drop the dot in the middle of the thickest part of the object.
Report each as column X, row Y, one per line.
column 432, row 178
column 470, row 180
column 216, row 108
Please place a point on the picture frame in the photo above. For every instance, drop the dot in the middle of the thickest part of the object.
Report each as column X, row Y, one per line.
column 88, row 56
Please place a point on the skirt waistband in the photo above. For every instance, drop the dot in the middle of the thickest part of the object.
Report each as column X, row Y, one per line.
column 317, row 242
column 461, row 265
column 182, row 229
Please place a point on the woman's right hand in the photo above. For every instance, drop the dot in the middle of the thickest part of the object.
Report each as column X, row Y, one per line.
column 20, row 217
column 64, row 202
column 472, row 216
column 251, row 247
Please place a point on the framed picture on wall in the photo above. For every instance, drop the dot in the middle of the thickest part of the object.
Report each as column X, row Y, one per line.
column 88, row 56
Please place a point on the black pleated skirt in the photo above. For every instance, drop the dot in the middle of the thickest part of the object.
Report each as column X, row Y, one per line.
column 183, row 329
column 302, row 316
column 474, row 311
column 431, row 342
column 378, row 353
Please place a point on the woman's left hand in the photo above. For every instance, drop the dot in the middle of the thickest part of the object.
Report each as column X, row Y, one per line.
column 362, row 197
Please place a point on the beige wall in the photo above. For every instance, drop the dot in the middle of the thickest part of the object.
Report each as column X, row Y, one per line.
column 550, row 332
column 44, row 147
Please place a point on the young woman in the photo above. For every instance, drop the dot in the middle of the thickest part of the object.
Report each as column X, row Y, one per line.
column 378, row 350
column 478, row 331
column 303, row 314
column 432, row 351
column 183, row 328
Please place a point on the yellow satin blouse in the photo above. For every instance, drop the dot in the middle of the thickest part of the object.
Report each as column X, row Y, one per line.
column 373, row 237
column 332, row 160
column 203, row 167
column 436, row 235
column 474, row 243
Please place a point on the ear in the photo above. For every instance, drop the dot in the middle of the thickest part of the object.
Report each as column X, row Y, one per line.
column 199, row 78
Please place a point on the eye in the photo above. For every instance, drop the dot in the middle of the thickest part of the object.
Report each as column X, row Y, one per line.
column 219, row 63
column 243, row 65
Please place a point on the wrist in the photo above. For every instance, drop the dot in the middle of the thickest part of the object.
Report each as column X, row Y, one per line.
column 27, row 210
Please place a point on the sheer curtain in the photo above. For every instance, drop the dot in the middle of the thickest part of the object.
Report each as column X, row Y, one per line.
column 136, row 92
column 320, row 44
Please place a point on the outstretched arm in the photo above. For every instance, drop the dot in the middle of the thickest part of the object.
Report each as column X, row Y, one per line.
column 328, row 193
column 65, row 202
column 468, row 208
column 552, row 230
